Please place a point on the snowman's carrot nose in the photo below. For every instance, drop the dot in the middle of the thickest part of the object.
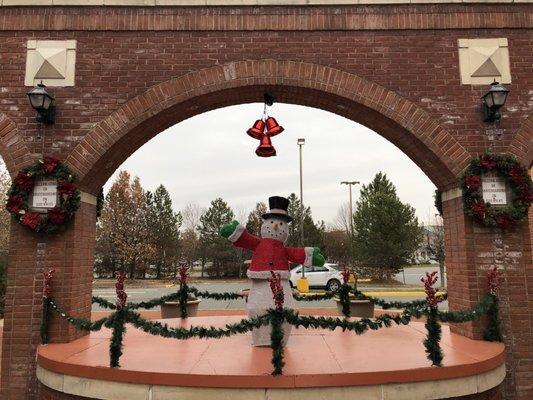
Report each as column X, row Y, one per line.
column 276, row 226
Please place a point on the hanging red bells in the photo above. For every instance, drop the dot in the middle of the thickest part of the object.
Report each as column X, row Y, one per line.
column 256, row 131
column 265, row 149
column 263, row 130
column 272, row 126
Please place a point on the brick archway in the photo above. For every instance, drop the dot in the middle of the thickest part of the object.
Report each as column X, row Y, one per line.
column 399, row 120
column 12, row 147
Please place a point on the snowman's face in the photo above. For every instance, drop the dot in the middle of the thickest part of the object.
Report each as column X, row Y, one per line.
column 274, row 228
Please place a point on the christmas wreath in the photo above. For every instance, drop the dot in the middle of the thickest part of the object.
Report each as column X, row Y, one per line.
column 515, row 175
column 68, row 196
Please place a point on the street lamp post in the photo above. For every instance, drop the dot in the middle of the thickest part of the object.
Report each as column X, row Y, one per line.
column 350, row 184
column 302, row 284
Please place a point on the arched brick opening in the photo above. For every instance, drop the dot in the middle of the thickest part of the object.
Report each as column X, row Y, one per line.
column 12, row 147
column 400, row 121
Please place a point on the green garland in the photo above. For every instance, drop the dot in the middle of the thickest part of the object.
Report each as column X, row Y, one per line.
column 45, row 322
column 55, row 219
column 117, row 321
column 344, row 298
column 103, row 303
column 434, row 334
column 216, row 296
column 415, row 304
column 276, row 340
column 160, row 329
column 118, row 325
column 517, row 178
column 184, row 297
column 492, row 331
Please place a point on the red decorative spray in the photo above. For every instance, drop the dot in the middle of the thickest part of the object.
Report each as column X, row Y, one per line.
column 183, row 273
column 47, row 289
column 119, row 286
column 277, row 290
column 493, row 281
column 345, row 274
column 431, row 293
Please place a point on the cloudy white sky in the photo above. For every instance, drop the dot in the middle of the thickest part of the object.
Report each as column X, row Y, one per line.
column 210, row 155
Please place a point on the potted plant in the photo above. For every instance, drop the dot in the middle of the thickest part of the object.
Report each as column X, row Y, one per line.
column 187, row 305
column 356, row 307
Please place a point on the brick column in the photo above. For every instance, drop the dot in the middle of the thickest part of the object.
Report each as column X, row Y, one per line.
column 71, row 254
column 470, row 251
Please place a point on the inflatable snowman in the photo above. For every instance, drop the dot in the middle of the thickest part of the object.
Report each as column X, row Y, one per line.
column 270, row 254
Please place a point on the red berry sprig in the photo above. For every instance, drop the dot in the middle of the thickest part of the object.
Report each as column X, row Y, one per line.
column 431, row 293
column 493, row 281
column 277, row 290
column 119, row 286
column 47, row 289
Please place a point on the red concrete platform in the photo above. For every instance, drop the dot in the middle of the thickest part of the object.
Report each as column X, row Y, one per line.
column 313, row 358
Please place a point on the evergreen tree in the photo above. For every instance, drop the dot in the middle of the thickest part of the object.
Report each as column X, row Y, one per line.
column 163, row 225
column 313, row 232
column 214, row 247
column 387, row 232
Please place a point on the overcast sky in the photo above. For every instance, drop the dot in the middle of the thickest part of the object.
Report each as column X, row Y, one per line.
column 210, row 156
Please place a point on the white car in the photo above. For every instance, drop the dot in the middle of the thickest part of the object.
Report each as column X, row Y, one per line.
column 327, row 276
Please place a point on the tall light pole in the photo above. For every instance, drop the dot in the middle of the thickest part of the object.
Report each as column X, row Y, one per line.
column 300, row 143
column 350, row 184
column 302, row 284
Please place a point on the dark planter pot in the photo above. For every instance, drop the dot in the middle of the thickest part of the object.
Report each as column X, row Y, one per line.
column 171, row 309
column 358, row 308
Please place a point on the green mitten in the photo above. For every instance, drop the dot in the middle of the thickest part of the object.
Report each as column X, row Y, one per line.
column 228, row 229
column 318, row 258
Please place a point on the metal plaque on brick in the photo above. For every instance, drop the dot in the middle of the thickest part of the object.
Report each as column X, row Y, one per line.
column 44, row 195
column 494, row 189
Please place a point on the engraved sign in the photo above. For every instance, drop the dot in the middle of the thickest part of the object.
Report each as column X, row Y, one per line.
column 494, row 190
column 44, row 194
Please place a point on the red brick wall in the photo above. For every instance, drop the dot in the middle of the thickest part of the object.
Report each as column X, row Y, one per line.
column 140, row 70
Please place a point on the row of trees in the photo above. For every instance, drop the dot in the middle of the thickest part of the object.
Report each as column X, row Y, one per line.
column 139, row 232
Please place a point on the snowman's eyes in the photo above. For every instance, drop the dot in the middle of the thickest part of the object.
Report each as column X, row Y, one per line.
column 281, row 224
column 271, row 222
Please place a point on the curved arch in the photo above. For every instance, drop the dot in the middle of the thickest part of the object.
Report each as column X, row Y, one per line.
column 522, row 144
column 12, row 147
column 402, row 122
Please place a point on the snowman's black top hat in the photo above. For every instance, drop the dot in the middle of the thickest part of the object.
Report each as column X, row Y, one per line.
column 278, row 208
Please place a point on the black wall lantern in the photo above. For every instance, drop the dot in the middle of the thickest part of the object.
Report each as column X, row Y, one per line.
column 43, row 103
column 492, row 101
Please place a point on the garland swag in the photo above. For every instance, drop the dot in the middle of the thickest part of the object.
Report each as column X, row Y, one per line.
column 55, row 218
column 515, row 175
column 123, row 313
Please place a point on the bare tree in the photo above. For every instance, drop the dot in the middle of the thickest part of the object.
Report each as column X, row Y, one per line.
column 191, row 214
column 435, row 245
column 342, row 220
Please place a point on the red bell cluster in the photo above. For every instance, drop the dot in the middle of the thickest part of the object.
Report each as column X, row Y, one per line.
column 263, row 130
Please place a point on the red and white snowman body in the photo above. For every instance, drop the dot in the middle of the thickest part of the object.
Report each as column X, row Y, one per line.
column 270, row 254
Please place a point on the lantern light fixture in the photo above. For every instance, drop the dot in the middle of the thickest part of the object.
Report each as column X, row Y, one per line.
column 492, row 101
column 43, row 103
